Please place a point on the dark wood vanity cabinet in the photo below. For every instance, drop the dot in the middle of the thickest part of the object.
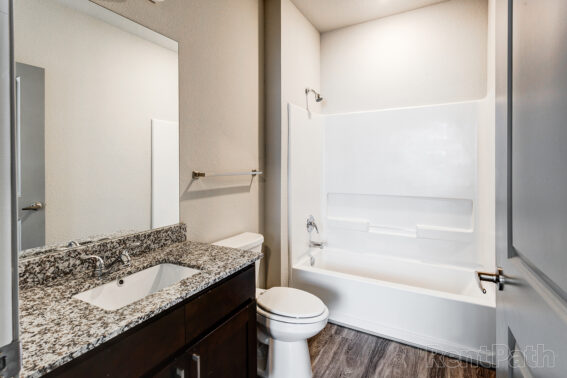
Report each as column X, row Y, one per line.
column 226, row 352
column 212, row 334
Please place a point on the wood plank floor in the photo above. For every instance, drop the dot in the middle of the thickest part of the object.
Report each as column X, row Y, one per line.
column 343, row 352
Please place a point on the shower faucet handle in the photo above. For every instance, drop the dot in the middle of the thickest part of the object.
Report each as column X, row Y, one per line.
column 311, row 225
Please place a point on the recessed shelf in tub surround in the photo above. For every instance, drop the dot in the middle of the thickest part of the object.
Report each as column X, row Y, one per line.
column 51, row 320
column 420, row 231
column 43, row 265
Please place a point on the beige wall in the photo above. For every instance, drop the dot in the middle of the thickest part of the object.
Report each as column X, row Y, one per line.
column 219, row 106
column 98, row 115
column 430, row 55
column 292, row 64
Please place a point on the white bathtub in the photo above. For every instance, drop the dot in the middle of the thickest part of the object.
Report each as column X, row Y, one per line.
column 435, row 307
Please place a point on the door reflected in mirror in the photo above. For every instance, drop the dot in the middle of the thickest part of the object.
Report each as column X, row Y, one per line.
column 97, row 123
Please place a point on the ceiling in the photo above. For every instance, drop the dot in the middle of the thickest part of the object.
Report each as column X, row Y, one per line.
column 328, row 15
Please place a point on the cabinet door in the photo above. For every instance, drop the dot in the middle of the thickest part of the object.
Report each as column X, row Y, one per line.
column 227, row 352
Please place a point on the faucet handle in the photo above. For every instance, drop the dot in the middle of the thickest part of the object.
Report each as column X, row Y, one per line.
column 311, row 225
column 125, row 257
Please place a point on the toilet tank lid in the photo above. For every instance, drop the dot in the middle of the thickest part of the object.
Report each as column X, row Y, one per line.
column 246, row 240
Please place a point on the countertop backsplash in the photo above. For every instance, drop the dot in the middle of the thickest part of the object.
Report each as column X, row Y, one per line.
column 41, row 268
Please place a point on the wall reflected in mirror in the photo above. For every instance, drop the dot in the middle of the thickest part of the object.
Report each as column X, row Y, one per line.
column 97, row 123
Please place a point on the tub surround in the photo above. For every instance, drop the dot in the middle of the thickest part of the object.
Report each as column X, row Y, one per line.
column 40, row 266
column 56, row 329
column 403, row 229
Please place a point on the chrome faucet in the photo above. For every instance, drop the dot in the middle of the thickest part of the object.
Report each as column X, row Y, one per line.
column 100, row 269
column 99, row 265
column 311, row 225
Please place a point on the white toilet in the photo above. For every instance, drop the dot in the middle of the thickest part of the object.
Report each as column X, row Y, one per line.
column 286, row 318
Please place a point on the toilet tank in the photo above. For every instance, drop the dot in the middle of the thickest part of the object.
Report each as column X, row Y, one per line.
column 249, row 241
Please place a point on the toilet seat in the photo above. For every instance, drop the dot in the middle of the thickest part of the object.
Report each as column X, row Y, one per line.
column 284, row 319
column 291, row 305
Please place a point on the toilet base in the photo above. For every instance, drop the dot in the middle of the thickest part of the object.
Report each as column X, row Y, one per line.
column 287, row 359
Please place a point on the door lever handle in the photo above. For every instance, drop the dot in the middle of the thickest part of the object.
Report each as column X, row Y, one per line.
column 33, row 207
column 497, row 278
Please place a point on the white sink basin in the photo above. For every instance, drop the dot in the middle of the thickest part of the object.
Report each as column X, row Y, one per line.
column 122, row 292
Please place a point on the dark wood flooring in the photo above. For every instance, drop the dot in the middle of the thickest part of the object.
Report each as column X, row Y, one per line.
column 343, row 352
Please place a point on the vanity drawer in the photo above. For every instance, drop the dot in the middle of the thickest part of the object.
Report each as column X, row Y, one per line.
column 212, row 306
column 133, row 354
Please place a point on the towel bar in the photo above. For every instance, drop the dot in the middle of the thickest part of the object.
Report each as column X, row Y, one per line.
column 197, row 174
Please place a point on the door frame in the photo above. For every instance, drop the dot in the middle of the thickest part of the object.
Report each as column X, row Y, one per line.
column 8, row 206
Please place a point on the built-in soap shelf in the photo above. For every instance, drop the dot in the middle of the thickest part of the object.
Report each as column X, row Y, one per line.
column 417, row 232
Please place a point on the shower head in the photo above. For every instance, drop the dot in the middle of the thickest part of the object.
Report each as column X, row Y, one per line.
column 318, row 97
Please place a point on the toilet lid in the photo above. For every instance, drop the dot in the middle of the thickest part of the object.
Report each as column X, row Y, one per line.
column 290, row 302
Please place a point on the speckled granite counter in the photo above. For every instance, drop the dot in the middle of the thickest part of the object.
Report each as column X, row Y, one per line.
column 56, row 328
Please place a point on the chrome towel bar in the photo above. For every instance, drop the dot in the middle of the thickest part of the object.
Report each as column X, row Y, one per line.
column 197, row 174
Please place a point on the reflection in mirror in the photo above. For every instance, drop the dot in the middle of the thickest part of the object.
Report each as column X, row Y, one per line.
column 97, row 101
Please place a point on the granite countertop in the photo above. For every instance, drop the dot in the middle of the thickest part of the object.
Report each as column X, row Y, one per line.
column 55, row 328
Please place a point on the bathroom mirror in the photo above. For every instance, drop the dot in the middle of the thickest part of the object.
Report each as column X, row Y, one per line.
column 97, row 124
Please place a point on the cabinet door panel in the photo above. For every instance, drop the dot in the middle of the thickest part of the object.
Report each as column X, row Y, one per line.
column 229, row 351
column 218, row 303
column 134, row 354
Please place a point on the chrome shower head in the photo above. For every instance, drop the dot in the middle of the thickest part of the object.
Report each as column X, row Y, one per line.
column 318, row 97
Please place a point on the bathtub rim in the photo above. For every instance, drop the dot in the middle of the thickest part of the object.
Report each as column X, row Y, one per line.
column 487, row 300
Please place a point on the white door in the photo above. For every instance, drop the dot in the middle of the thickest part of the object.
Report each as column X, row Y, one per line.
column 532, row 187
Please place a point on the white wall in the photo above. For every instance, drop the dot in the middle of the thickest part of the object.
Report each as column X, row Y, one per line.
column 301, row 62
column 102, row 88
column 306, row 178
column 442, row 53
column 298, row 67
column 487, row 152
column 435, row 54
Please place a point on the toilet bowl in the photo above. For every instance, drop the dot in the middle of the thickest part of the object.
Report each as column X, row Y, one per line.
column 286, row 318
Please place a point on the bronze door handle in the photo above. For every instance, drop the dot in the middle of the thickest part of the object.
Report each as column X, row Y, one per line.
column 34, row 207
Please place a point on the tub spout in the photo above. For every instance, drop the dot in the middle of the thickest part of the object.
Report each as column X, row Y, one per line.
column 317, row 244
